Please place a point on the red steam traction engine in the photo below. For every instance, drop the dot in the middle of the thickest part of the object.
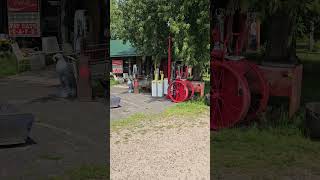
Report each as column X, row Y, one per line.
column 180, row 89
column 239, row 91
column 239, row 88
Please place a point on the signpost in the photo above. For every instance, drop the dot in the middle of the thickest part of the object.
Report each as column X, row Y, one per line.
column 24, row 18
column 117, row 66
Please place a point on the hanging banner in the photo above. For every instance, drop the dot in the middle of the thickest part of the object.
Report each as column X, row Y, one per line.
column 117, row 66
column 23, row 5
column 24, row 18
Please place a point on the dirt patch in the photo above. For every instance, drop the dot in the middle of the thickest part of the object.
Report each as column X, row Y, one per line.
column 170, row 148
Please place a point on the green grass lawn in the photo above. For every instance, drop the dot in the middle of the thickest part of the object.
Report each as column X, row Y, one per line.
column 188, row 109
column 261, row 153
column 275, row 148
column 7, row 65
column 85, row 172
column 270, row 149
column 113, row 82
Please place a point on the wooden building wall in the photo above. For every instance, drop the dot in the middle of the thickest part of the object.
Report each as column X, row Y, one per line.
column 3, row 17
column 97, row 10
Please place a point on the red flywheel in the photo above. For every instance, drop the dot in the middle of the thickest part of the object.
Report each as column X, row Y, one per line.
column 259, row 88
column 178, row 91
column 230, row 96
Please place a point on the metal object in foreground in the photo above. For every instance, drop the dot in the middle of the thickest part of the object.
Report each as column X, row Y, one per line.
column 15, row 127
column 313, row 119
column 114, row 101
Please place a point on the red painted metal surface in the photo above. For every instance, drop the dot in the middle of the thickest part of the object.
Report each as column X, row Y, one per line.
column 285, row 82
column 136, row 83
column 239, row 88
column 259, row 90
column 230, row 96
column 169, row 64
column 93, row 65
column 84, row 85
column 178, row 91
column 253, row 82
column 169, row 59
column 136, row 86
column 239, row 91
column 84, row 71
column 190, row 89
column 98, row 55
column 198, row 87
column 218, row 53
column 258, row 86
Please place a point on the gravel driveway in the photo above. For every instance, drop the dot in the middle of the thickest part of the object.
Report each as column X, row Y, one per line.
column 132, row 103
column 174, row 148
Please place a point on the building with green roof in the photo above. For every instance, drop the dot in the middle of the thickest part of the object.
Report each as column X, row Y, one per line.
column 119, row 48
column 129, row 55
column 126, row 53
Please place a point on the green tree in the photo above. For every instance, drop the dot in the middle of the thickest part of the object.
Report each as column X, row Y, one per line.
column 116, row 20
column 284, row 22
column 145, row 25
column 311, row 23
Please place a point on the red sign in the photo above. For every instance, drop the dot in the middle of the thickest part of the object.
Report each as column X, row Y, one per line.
column 23, row 5
column 24, row 18
column 23, row 29
column 117, row 66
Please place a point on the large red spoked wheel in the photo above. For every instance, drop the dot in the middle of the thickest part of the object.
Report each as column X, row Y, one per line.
column 230, row 96
column 178, row 91
column 258, row 86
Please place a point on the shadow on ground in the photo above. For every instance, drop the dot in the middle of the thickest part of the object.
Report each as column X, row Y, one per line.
column 66, row 133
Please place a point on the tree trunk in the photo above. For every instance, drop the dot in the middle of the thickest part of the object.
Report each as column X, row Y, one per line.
column 197, row 72
column 279, row 47
column 311, row 37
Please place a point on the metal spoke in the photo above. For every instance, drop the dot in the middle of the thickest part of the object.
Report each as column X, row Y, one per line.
column 219, row 110
column 215, row 79
column 214, row 112
column 221, row 79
